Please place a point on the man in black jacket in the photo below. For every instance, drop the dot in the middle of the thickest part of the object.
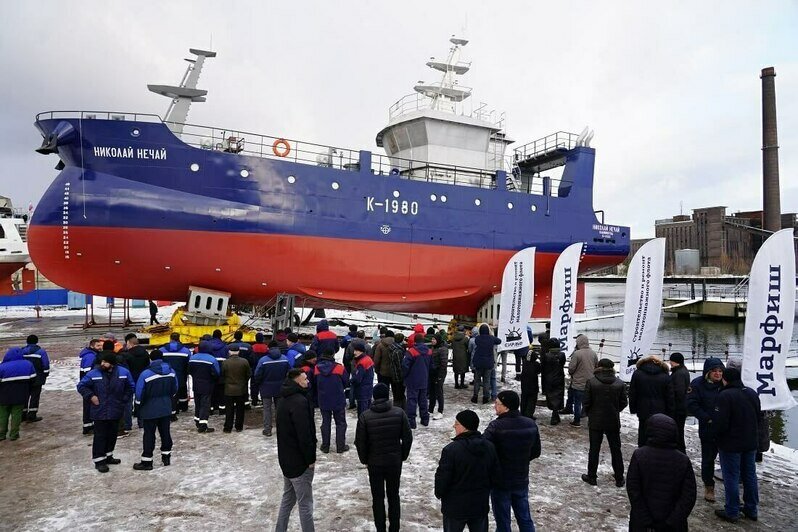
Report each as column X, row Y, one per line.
column 468, row 468
column 736, row 422
column 701, row 398
column 650, row 392
column 660, row 482
column 383, row 439
column 296, row 450
column 605, row 397
column 517, row 443
column 680, row 380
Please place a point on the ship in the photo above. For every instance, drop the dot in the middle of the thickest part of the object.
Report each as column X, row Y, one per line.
column 13, row 247
column 145, row 207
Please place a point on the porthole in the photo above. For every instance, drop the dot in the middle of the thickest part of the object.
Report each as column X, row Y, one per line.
column 244, row 173
column 135, row 132
column 534, row 208
column 433, row 197
column 194, row 167
column 443, row 199
column 477, row 202
column 335, row 185
column 509, row 205
column 395, row 193
column 291, row 179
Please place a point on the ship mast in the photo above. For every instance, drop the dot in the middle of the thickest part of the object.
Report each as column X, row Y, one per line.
column 186, row 93
column 445, row 94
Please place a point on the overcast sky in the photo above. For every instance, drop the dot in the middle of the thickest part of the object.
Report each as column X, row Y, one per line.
column 671, row 89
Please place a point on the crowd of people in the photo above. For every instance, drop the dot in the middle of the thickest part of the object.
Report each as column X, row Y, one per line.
column 477, row 471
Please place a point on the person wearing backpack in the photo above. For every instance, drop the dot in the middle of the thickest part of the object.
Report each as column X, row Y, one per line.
column 396, row 353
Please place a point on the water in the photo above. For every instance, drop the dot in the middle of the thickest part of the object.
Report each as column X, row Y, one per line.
column 694, row 338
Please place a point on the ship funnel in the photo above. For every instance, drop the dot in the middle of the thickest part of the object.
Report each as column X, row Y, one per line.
column 771, row 201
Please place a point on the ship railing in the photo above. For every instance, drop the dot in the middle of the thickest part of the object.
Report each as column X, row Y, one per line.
column 418, row 102
column 278, row 148
column 561, row 140
column 99, row 115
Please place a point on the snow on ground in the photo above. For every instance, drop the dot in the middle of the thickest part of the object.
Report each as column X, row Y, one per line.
column 233, row 480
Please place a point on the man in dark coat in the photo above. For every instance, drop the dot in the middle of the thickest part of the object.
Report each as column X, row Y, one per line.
column 468, row 469
column 296, row 450
column 552, row 377
column 155, row 389
column 650, row 392
column 16, row 377
column 362, row 379
column 517, row 443
column 460, row 357
column 483, row 362
column 701, row 398
column 660, row 482
column 235, row 376
column 41, row 363
column 383, row 439
column 736, row 422
column 605, row 397
column 153, row 313
column 382, row 362
column 330, row 379
column 680, row 380
column 415, row 370
column 109, row 388
column 137, row 359
column 268, row 378
column 437, row 374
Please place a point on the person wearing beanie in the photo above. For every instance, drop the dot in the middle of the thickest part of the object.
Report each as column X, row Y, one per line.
column 530, row 374
column 483, row 361
column 437, row 374
column 351, row 335
column 467, row 470
column 16, row 377
column 308, row 364
column 680, row 380
column 109, row 387
column 382, row 362
column 259, row 350
column 383, row 439
column 517, row 443
column 701, row 398
column 605, row 398
column 650, row 392
column 236, row 374
column 245, row 353
column 296, row 349
column 41, row 363
column 330, row 379
column 415, row 372
column 660, row 482
column 324, row 339
column 268, row 378
column 205, row 371
column 362, row 380
column 736, row 423
column 155, row 388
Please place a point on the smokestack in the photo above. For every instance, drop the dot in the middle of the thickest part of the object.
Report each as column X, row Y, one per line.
column 771, row 202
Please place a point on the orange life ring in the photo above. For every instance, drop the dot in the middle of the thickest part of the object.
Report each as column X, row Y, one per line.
column 281, row 148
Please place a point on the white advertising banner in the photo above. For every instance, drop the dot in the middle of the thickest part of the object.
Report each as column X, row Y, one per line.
column 518, row 290
column 563, row 297
column 643, row 306
column 769, row 321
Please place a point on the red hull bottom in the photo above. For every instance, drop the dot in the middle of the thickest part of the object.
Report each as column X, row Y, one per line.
column 162, row 264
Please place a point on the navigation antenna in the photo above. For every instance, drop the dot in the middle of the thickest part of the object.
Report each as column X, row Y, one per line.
column 185, row 94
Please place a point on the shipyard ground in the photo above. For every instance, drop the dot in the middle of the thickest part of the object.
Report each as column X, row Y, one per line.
column 219, row 481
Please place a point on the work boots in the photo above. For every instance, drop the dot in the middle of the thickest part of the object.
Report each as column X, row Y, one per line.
column 555, row 418
column 110, row 460
column 143, row 466
column 166, row 459
column 709, row 493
